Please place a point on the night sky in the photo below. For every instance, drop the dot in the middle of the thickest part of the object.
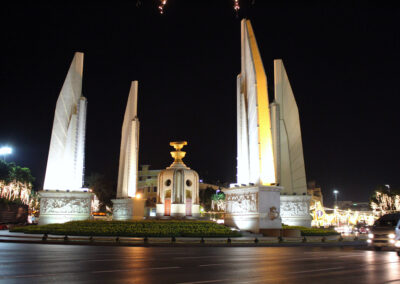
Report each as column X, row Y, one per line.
column 342, row 59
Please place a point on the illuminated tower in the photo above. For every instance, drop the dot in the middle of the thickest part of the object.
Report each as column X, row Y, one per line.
column 255, row 160
column 63, row 199
column 65, row 164
column 129, row 153
column 129, row 205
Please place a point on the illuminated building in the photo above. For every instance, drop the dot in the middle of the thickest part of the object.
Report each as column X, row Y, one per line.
column 129, row 205
column 63, row 198
column 147, row 186
column 178, row 188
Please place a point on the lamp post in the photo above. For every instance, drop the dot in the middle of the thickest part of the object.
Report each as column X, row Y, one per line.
column 335, row 192
column 5, row 151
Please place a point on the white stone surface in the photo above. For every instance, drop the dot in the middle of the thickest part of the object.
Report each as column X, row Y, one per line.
column 125, row 209
column 65, row 164
column 295, row 210
column 129, row 153
column 253, row 208
column 62, row 206
column 287, row 136
column 255, row 153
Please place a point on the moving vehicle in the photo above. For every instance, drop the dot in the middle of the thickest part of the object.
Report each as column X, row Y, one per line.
column 385, row 232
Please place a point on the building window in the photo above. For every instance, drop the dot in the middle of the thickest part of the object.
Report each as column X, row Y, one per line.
column 148, row 189
column 168, row 182
column 155, row 189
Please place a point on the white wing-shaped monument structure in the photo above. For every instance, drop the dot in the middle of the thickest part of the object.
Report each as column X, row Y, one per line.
column 288, row 151
column 63, row 198
column 129, row 205
column 65, row 164
column 253, row 202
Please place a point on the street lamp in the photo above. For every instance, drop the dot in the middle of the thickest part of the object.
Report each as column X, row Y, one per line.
column 5, row 151
column 335, row 192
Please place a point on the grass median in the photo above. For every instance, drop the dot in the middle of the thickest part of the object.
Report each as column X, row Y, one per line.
column 145, row 228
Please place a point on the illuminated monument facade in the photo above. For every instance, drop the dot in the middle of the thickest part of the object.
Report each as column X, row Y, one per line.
column 288, row 152
column 63, row 198
column 128, row 204
column 270, row 151
column 253, row 203
column 178, row 188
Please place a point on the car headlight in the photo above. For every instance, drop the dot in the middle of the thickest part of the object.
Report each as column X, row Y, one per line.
column 371, row 236
column 391, row 236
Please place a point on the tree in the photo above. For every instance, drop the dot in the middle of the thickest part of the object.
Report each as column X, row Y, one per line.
column 103, row 187
column 205, row 198
column 385, row 200
column 15, row 183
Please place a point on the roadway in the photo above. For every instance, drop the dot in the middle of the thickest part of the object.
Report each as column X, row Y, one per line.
column 43, row 263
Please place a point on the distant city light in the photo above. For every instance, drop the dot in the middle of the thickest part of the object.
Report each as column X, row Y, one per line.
column 335, row 191
column 161, row 6
column 5, row 150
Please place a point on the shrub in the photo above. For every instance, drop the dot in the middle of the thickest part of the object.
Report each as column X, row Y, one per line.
column 312, row 231
column 145, row 228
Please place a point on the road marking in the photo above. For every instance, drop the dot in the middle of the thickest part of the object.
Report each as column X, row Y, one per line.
column 135, row 269
column 317, row 270
column 207, row 281
column 32, row 275
column 190, row 257
column 212, row 264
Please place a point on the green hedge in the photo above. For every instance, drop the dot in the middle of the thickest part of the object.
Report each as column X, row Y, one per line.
column 145, row 228
column 312, row 231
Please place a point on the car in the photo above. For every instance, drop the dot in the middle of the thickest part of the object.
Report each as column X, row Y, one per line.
column 385, row 232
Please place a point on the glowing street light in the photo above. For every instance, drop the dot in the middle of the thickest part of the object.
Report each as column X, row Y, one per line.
column 5, row 151
column 335, row 192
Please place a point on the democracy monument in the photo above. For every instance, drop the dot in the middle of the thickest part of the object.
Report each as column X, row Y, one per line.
column 128, row 204
column 63, row 199
column 271, row 182
column 178, row 188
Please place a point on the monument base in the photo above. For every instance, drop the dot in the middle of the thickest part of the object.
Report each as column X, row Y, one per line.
column 251, row 208
column 295, row 210
column 178, row 211
column 125, row 209
column 63, row 206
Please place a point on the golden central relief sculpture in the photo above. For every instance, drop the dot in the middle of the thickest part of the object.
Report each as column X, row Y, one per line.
column 178, row 194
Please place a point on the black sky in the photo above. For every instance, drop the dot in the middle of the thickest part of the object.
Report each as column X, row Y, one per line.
column 342, row 59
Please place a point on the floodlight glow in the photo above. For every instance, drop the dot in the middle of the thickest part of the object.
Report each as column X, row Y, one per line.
column 336, row 191
column 371, row 236
column 5, row 150
column 391, row 236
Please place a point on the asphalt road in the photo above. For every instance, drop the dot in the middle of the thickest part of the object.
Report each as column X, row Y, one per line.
column 41, row 263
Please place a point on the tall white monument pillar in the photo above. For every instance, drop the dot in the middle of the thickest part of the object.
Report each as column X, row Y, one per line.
column 288, row 151
column 253, row 203
column 128, row 204
column 63, row 198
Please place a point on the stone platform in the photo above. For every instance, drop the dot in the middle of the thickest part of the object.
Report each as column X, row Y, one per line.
column 63, row 206
column 295, row 210
column 251, row 208
column 125, row 209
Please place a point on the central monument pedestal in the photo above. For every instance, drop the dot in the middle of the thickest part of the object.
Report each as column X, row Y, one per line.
column 295, row 210
column 253, row 208
column 125, row 209
column 64, row 206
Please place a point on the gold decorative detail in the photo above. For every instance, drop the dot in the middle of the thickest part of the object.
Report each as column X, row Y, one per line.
column 178, row 155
